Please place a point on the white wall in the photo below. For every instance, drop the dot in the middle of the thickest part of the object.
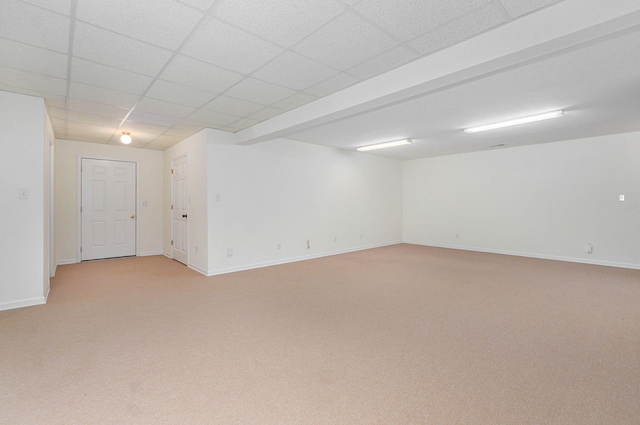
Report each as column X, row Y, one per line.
column 66, row 195
column 24, row 251
column 545, row 201
column 266, row 201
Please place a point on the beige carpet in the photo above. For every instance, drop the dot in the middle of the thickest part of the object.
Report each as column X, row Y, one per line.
column 396, row 335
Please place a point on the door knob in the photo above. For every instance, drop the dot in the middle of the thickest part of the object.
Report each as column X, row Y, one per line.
column 133, row 216
column 184, row 216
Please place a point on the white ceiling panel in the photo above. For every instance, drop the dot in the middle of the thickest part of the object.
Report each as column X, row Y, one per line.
column 294, row 71
column 459, row 29
column 60, row 6
column 57, row 113
column 95, row 74
column 202, row 5
column 233, row 106
column 108, row 48
column 388, row 60
column 241, row 124
column 175, row 93
column 90, row 119
column 284, row 22
column 517, row 8
column 223, row 45
column 259, row 91
column 199, row 75
column 106, row 96
column 161, row 107
column 213, row 118
column 33, row 59
column 23, row 80
column 94, row 108
column 345, row 42
column 407, row 19
column 148, row 118
column 52, row 101
column 294, row 101
column 18, row 19
column 164, row 23
column 140, row 127
column 332, row 85
column 266, row 113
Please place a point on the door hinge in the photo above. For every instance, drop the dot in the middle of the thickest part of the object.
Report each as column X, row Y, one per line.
column 171, row 206
column 172, row 171
column 80, row 249
column 171, row 242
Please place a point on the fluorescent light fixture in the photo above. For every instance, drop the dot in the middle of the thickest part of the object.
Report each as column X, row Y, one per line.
column 517, row 121
column 125, row 138
column 384, row 145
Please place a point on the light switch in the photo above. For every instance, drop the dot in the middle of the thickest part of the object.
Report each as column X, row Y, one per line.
column 621, row 197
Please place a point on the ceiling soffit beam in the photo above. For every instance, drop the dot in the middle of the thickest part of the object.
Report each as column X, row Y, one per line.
column 550, row 31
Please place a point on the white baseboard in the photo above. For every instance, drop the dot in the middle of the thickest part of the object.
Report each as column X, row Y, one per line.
column 150, row 253
column 64, row 262
column 531, row 255
column 279, row 261
column 29, row 302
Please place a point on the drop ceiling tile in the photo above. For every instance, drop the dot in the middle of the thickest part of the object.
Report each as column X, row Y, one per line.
column 226, row 46
column 517, row 8
column 266, row 113
column 31, row 81
column 108, row 48
column 94, row 108
column 332, row 85
column 294, row 71
column 90, row 119
column 164, row 23
column 34, row 59
column 212, row 118
column 34, row 26
column 185, row 129
column 284, row 22
column 202, row 5
column 161, row 107
column 345, row 42
column 242, row 123
column 57, row 113
column 148, row 118
column 294, row 101
column 407, row 19
column 140, row 127
column 86, row 136
column 101, row 95
column 167, row 140
column 199, row 75
column 55, row 101
column 258, row 91
column 175, row 93
column 233, row 106
column 95, row 74
column 60, row 6
column 385, row 62
column 459, row 29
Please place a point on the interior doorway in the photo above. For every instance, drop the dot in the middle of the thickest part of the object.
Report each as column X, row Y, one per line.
column 107, row 209
column 179, row 209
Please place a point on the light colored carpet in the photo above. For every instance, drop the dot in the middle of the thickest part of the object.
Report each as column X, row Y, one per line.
column 397, row 335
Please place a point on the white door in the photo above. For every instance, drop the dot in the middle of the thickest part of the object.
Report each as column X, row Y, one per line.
column 108, row 209
column 179, row 206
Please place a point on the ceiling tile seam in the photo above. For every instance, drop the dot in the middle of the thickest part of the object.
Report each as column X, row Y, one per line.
column 72, row 30
column 45, row 9
column 161, row 71
column 502, row 9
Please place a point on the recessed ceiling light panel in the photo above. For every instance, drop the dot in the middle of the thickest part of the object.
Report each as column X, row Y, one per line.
column 517, row 121
column 384, row 145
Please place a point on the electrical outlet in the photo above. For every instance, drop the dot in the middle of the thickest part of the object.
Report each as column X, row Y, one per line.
column 308, row 244
column 335, row 239
column 279, row 246
column 229, row 252
column 589, row 248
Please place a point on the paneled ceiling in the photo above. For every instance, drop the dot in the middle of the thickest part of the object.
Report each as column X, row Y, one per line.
column 164, row 69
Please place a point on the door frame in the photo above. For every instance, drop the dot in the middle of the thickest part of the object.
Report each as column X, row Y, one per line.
column 79, row 159
column 173, row 160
